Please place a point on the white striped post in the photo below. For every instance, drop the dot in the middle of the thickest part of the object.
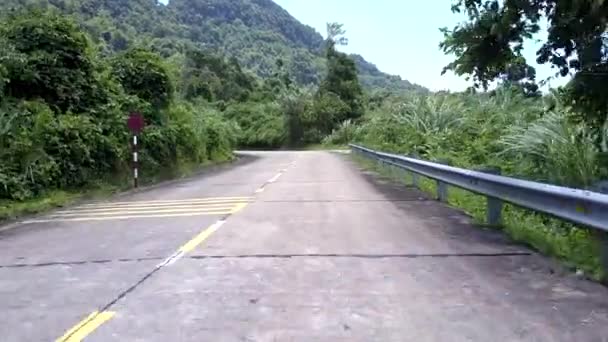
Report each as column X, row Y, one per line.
column 135, row 162
column 136, row 124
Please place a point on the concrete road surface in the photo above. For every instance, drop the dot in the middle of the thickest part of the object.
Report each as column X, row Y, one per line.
column 283, row 246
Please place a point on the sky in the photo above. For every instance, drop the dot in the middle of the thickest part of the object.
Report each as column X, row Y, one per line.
column 400, row 37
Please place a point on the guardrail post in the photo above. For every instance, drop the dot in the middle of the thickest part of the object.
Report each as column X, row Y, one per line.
column 391, row 171
column 442, row 187
column 494, row 205
column 415, row 178
column 602, row 236
column 602, row 240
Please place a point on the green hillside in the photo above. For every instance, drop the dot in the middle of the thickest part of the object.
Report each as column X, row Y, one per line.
column 256, row 32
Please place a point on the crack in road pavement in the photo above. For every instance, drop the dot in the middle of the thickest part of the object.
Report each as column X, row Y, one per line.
column 270, row 256
column 79, row 262
column 363, row 256
column 348, row 200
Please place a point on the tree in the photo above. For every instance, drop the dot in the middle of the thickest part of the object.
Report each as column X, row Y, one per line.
column 213, row 78
column 46, row 56
column 142, row 73
column 489, row 46
column 341, row 80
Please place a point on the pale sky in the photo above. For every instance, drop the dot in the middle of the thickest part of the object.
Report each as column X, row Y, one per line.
column 400, row 37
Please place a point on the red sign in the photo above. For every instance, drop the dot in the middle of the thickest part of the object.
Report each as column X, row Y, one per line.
column 136, row 122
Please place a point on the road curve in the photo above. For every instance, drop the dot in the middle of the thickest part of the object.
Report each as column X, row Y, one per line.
column 283, row 246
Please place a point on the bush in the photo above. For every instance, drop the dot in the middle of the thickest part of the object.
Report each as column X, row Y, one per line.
column 63, row 114
column 341, row 135
column 261, row 124
column 50, row 59
column 143, row 74
column 42, row 150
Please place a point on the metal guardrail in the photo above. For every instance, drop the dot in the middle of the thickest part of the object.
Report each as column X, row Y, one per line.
column 578, row 206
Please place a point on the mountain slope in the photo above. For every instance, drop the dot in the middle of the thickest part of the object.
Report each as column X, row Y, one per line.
column 256, row 32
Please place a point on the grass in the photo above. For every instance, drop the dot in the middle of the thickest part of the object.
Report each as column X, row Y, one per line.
column 50, row 200
column 575, row 247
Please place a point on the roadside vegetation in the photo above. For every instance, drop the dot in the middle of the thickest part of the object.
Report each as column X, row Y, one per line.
column 70, row 77
column 529, row 138
column 560, row 137
column 64, row 102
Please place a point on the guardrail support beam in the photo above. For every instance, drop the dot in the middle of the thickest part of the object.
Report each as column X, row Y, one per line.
column 415, row 177
column 584, row 207
column 494, row 211
column 442, row 191
column 494, row 205
column 442, row 187
column 603, row 241
column 415, row 180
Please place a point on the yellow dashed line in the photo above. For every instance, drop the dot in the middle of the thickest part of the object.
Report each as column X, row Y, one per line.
column 86, row 326
column 202, row 236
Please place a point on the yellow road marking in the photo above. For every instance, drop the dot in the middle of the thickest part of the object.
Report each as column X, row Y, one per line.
column 86, row 326
column 96, row 319
column 205, row 234
column 202, row 236
column 190, row 200
column 79, row 219
column 155, row 205
column 239, row 207
column 138, row 211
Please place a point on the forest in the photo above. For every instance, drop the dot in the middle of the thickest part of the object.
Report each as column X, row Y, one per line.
column 211, row 75
column 65, row 99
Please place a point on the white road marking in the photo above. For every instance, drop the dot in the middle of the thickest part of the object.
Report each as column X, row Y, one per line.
column 171, row 259
column 275, row 178
column 192, row 244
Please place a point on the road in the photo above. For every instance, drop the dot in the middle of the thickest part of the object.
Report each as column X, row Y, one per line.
column 283, row 246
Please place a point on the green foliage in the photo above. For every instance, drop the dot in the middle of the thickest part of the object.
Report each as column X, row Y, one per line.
column 256, row 33
column 261, row 125
column 296, row 105
column 43, row 150
column 529, row 138
column 329, row 110
column 341, row 79
column 342, row 135
column 559, row 151
column 490, row 44
column 48, row 57
column 215, row 79
column 143, row 74
column 63, row 112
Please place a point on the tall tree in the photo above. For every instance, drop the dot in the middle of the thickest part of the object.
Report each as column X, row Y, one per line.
column 46, row 56
column 341, row 84
column 489, row 46
column 142, row 73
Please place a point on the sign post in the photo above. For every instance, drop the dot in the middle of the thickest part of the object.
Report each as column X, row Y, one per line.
column 135, row 124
